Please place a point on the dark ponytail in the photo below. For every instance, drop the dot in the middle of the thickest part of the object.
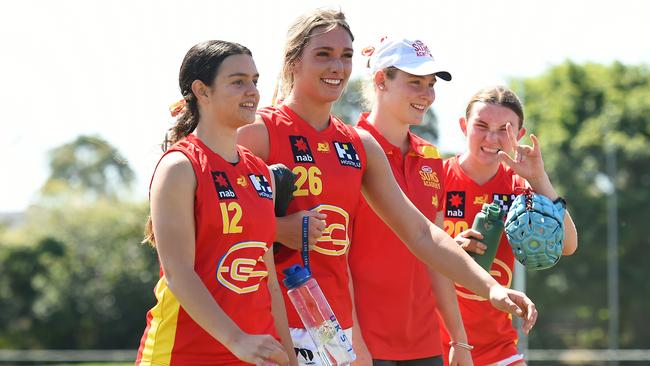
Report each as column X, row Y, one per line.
column 201, row 62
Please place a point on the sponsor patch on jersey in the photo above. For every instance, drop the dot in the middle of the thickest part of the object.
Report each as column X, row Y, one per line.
column 504, row 200
column 241, row 180
column 262, row 185
column 223, row 186
column 323, row 147
column 347, row 154
column 301, row 150
column 455, row 205
column 306, row 354
column 429, row 177
column 479, row 200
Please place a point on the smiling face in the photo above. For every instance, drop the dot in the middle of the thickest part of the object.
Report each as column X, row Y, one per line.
column 233, row 96
column 406, row 96
column 324, row 66
column 485, row 129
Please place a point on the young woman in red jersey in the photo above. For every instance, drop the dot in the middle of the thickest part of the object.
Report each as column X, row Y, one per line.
column 402, row 329
column 334, row 164
column 212, row 222
column 493, row 125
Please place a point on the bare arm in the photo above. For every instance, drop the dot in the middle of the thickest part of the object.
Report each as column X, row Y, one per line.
column 277, row 300
column 172, row 213
column 447, row 305
column 430, row 243
column 360, row 348
column 529, row 164
column 543, row 186
column 278, row 308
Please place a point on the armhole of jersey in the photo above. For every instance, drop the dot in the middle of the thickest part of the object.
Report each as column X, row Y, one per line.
column 356, row 140
column 271, row 133
column 187, row 154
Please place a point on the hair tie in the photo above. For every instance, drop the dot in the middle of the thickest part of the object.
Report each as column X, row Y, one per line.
column 368, row 51
column 178, row 107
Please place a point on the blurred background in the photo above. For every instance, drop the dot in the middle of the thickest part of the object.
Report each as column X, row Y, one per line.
column 84, row 97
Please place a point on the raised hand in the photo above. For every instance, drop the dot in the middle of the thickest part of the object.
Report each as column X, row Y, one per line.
column 527, row 161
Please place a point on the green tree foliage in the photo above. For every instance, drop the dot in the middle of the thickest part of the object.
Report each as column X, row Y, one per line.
column 353, row 102
column 88, row 164
column 579, row 112
column 75, row 275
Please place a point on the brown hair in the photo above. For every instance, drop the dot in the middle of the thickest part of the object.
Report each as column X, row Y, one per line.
column 298, row 37
column 499, row 95
column 201, row 62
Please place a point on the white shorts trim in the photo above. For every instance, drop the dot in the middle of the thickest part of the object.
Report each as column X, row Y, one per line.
column 306, row 349
column 509, row 360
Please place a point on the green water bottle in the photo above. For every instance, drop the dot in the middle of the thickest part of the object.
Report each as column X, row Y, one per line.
column 488, row 222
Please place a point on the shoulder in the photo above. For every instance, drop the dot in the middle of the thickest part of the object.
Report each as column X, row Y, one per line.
column 174, row 169
column 366, row 138
column 371, row 147
column 255, row 137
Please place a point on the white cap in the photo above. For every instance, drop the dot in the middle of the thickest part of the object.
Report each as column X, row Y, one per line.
column 409, row 56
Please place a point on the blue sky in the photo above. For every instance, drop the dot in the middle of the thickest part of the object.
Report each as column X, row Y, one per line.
column 110, row 68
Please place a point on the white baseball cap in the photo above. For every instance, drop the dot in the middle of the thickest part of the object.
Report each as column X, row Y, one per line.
column 412, row 56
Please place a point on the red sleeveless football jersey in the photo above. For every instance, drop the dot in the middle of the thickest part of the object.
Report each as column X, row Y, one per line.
column 235, row 226
column 403, row 325
column 489, row 330
column 329, row 165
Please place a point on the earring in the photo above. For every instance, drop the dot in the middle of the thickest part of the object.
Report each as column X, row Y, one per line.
column 381, row 86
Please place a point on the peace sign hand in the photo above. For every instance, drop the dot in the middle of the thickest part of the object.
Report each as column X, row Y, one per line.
column 527, row 162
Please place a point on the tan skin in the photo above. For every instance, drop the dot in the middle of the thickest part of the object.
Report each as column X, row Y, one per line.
column 491, row 138
column 328, row 56
column 223, row 107
column 402, row 101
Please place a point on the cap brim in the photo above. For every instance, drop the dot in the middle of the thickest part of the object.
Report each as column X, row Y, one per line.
column 426, row 68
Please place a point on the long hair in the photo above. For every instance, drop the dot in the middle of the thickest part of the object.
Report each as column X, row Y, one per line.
column 298, row 37
column 201, row 62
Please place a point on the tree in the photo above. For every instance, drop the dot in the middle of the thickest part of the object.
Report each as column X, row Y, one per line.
column 74, row 275
column 579, row 112
column 353, row 102
column 90, row 165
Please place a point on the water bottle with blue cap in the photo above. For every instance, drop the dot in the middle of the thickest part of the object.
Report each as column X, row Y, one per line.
column 332, row 343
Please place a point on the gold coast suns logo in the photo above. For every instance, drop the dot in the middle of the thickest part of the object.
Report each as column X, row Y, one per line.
column 429, row 177
column 335, row 240
column 500, row 271
column 241, row 269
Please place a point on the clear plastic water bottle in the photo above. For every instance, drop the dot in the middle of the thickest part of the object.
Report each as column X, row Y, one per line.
column 332, row 343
